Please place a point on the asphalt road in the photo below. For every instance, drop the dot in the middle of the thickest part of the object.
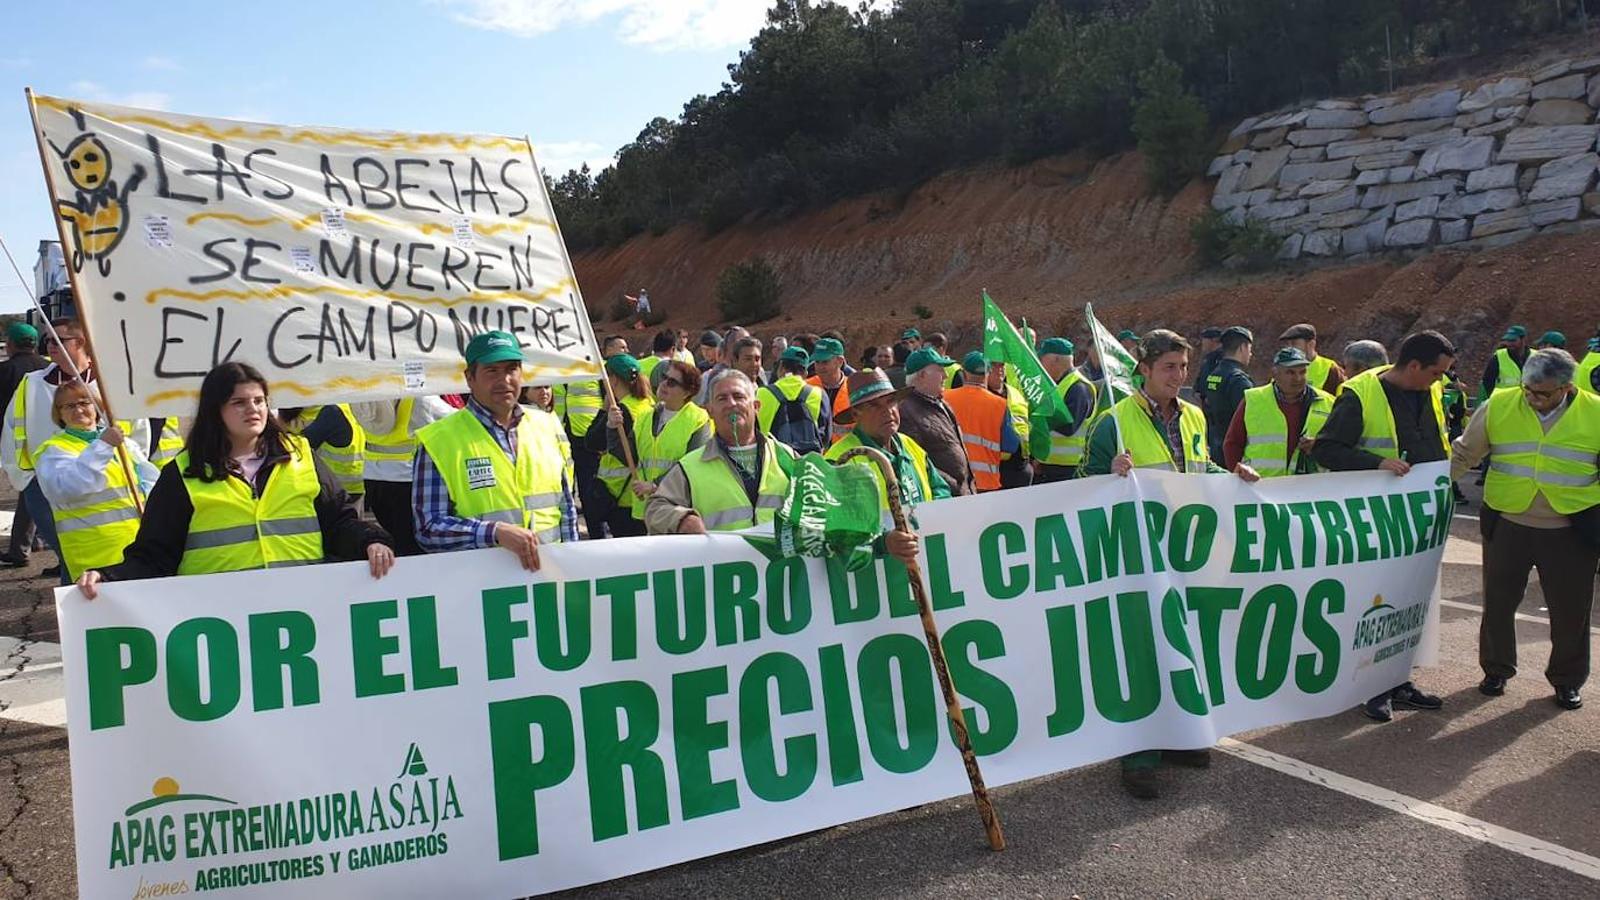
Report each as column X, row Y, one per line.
column 1488, row 798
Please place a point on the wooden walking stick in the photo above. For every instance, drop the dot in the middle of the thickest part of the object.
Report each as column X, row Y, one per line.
column 930, row 630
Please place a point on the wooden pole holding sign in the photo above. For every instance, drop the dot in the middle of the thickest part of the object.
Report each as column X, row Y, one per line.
column 930, row 631
column 101, row 402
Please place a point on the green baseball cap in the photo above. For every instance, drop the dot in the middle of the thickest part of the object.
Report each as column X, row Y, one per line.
column 1290, row 358
column 1057, row 345
column 22, row 333
column 623, row 365
column 911, row 334
column 493, row 347
column 975, row 363
column 826, row 349
column 1514, row 333
column 1553, row 339
column 1127, row 334
column 923, row 357
column 795, row 354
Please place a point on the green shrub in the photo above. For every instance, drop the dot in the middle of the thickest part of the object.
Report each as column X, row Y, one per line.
column 748, row 292
column 1171, row 127
column 1250, row 241
column 620, row 310
column 654, row 317
column 922, row 311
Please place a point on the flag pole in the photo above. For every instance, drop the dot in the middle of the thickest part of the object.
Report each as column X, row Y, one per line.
column 930, row 631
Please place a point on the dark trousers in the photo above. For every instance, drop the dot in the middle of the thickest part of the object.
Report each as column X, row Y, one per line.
column 1015, row 473
column 22, row 533
column 1566, row 564
column 586, row 468
column 390, row 504
column 1049, row 474
column 44, row 520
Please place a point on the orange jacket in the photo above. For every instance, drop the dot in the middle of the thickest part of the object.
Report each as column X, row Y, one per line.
column 982, row 417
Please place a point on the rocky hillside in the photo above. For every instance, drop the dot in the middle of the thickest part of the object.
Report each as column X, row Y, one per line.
column 1048, row 236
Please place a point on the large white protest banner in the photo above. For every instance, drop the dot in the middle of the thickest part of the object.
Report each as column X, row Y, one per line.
column 344, row 264
column 463, row 728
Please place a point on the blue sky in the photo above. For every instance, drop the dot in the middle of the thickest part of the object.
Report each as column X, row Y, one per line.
column 581, row 77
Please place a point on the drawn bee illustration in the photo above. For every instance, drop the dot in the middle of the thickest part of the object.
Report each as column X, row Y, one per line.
column 98, row 213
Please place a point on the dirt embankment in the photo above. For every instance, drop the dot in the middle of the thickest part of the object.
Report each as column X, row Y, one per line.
column 1047, row 237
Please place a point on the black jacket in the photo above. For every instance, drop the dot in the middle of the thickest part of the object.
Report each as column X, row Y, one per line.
column 164, row 530
column 12, row 370
column 1416, row 432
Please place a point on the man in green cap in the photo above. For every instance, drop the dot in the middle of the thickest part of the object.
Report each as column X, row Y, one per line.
column 1505, row 366
column 1068, row 440
column 828, row 373
column 1129, row 340
column 1274, row 428
column 22, row 357
column 912, row 338
column 494, row 473
column 1551, row 340
column 928, row 419
column 873, row 415
column 792, row 411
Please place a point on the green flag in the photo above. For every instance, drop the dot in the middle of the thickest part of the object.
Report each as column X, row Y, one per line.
column 1002, row 343
column 1117, row 367
column 829, row 511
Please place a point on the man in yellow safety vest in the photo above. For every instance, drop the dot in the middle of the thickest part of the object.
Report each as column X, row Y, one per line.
column 494, row 472
column 1277, row 423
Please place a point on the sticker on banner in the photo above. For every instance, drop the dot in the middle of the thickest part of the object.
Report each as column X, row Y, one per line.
column 333, row 222
column 463, row 227
column 157, row 231
column 416, row 372
column 300, row 257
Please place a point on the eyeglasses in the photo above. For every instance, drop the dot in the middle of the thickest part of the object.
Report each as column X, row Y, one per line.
column 1543, row 395
column 673, row 382
column 76, row 405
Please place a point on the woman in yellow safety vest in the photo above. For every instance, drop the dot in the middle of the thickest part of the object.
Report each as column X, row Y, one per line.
column 243, row 494
column 676, row 427
column 81, row 475
column 611, row 492
column 335, row 438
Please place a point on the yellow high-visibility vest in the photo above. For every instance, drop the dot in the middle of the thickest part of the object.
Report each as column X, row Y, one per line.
column 1378, row 434
column 1266, row 447
column 717, row 491
column 232, row 530
column 485, row 484
column 1148, row 446
column 348, row 462
column 1524, row 459
column 93, row 530
column 659, row 452
column 399, row 444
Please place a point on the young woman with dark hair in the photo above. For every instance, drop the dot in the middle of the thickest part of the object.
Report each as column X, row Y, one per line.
column 243, row 494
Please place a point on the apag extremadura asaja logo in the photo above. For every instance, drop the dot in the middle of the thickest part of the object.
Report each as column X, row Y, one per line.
column 174, row 825
column 1396, row 628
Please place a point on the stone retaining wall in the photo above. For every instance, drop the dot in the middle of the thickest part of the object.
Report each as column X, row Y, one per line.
column 1490, row 162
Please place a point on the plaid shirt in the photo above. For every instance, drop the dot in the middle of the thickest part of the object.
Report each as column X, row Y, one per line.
column 439, row 529
column 1171, row 426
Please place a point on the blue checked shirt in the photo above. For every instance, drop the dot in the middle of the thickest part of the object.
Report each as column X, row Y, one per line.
column 439, row 529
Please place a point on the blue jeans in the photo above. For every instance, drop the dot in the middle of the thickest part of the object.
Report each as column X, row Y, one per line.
column 44, row 520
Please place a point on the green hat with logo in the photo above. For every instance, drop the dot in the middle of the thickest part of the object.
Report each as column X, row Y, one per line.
column 795, row 355
column 911, row 334
column 623, row 365
column 975, row 363
column 493, row 347
column 22, row 333
column 923, row 357
column 1057, row 345
column 1552, row 339
column 1127, row 334
column 1514, row 333
column 1290, row 358
column 826, row 349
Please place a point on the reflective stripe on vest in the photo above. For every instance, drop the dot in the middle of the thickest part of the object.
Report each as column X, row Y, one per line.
column 660, row 452
column 981, row 416
column 232, row 530
column 1524, row 459
column 347, row 463
column 169, row 444
column 95, row 528
column 1317, row 373
column 717, row 491
column 583, row 404
column 485, row 484
column 1506, row 371
column 1147, row 444
column 399, row 444
column 613, row 471
column 920, row 490
column 1378, row 435
column 1266, row 447
column 1068, row 449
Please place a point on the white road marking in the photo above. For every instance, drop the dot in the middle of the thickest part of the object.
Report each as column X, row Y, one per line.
column 49, row 712
column 1466, row 516
column 1421, row 810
